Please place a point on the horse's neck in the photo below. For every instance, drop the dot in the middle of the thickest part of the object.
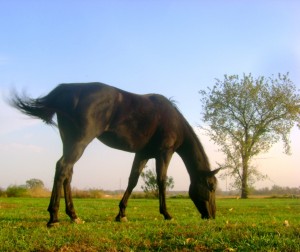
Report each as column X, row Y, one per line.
column 193, row 154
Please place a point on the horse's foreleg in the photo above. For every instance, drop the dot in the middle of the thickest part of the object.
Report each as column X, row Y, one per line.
column 162, row 164
column 137, row 167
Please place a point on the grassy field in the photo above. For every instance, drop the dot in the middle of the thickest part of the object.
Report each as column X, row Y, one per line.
column 241, row 225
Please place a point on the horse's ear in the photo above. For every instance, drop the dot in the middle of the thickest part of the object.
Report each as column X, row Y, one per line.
column 210, row 173
column 214, row 172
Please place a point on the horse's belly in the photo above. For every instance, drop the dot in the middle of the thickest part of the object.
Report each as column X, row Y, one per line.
column 120, row 142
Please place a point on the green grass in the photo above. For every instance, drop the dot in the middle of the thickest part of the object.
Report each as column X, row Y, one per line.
column 240, row 225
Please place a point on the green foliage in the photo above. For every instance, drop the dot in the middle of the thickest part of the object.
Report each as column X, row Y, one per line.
column 16, row 191
column 2, row 192
column 34, row 183
column 240, row 225
column 150, row 187
column 245, row 117
column 33, row 188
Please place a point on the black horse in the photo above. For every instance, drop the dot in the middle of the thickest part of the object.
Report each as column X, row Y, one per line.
column 148, row 125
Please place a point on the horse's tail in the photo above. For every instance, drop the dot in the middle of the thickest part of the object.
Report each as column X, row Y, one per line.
column 38, row 108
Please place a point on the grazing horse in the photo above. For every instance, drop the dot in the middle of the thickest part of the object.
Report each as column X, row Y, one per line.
column 148, row 125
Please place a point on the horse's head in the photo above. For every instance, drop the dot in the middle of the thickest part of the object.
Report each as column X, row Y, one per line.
column 202, row 192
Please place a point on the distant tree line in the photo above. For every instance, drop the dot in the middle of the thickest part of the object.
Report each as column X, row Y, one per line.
column 32, row 188
column 36, row 188
column 275, row 190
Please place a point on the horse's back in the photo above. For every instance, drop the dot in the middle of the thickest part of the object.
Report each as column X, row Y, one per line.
column 118, row 118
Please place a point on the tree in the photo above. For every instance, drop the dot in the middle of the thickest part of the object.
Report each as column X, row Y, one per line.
column 2, row 192
column 151, row 187
column 34, row 183
column 246, row 116
column 16, row 191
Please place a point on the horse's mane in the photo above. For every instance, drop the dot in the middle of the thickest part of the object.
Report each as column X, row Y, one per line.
column 191, row 132
column 174, row 103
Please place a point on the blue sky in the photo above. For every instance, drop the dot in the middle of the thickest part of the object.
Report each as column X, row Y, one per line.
column 174, row 48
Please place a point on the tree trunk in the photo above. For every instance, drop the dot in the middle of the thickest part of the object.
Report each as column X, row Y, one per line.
column 244, row 189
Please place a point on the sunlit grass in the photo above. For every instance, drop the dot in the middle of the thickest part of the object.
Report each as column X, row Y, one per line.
column 241, row 225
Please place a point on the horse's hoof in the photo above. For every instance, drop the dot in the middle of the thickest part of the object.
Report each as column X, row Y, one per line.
column 121, row 219
column 52, row 224
column 78, row 221
column 168, row 217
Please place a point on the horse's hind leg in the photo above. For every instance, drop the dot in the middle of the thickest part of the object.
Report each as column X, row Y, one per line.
column 138, row 164
column 60, row 175
column 70, row 210
column 63, row 175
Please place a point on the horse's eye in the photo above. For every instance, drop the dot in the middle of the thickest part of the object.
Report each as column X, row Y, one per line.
column 210, row 186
